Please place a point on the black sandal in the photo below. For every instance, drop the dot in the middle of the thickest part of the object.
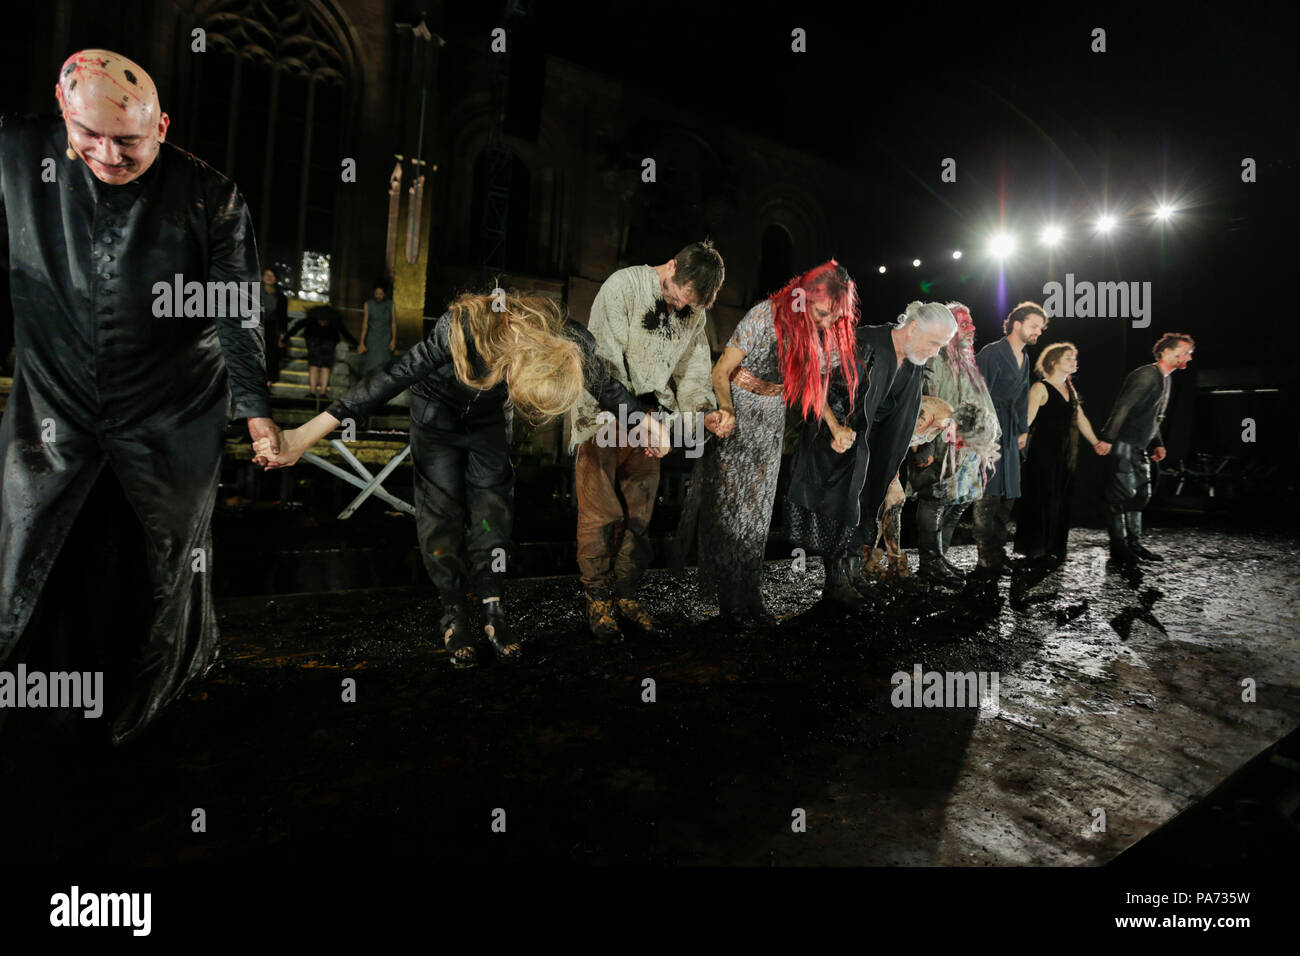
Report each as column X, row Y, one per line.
column 460, row 646
column 506, row 649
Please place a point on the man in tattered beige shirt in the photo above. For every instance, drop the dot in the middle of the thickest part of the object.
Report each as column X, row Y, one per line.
column 649, row 326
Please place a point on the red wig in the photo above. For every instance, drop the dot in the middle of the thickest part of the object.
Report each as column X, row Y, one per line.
column 801, row 344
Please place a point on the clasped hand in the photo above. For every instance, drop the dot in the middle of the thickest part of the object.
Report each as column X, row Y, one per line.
column 282, row 453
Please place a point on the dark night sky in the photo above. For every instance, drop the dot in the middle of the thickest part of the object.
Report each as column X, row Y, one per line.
column 1041, row 128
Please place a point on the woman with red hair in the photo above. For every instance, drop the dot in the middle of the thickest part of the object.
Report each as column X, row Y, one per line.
column 781, row 355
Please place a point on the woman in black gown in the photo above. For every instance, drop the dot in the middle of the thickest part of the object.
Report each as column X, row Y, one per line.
column 1055, row 420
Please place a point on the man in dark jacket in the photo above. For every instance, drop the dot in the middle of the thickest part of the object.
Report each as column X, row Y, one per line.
column 1132, row 431
column 1005, row 368
column 837, row 486
column 112, row 383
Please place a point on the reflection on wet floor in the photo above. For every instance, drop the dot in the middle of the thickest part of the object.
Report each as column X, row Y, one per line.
column 1119, row 699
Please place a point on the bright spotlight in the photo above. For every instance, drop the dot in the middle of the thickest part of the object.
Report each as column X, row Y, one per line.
column 1164, row 211
column 956, row 253
column 1052, row 235
column 1002, row 245
column 1105, row 223
column 916, row 262
column 881, row 270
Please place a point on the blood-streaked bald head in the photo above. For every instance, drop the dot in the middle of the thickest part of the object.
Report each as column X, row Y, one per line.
column 110, row 107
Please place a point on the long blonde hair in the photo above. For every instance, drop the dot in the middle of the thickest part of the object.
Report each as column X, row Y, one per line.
column 525, row 345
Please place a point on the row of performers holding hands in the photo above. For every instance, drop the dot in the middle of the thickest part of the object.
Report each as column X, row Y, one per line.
column 866, row 395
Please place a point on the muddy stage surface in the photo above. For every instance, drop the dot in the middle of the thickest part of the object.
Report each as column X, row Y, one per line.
column 1119, row 703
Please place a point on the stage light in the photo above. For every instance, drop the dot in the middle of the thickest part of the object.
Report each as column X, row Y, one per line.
column 881, row 270
column 1002, row 245
column 1105, row 223
column 1052, row 235
column 1164, row 211
column 956, row 253
column 916, row 262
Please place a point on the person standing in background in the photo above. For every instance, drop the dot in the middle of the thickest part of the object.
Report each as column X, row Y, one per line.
column 378, row 331
column 275, row 321
column 321, row 327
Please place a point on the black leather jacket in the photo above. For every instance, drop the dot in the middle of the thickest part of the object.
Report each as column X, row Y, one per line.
column 108, row 361
column 428, row 370
column 1135, row 416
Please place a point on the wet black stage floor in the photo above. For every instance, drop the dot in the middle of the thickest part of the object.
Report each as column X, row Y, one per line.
column 1120, row 703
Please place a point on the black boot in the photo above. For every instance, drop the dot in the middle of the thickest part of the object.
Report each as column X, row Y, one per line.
column 1134, row 522
column 934, row 570
column 869, row 589
column 837, row 587
column 1120, row 552
column 758, row 611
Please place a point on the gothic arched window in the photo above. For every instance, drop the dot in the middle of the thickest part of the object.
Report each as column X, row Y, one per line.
column 270, row 101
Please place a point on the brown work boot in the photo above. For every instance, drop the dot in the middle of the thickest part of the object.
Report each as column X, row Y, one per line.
column 600, row 616
column 899, row 569
column 874, row 567
column 632, row 611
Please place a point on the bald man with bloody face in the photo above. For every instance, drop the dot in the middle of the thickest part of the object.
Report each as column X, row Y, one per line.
column 95, row 209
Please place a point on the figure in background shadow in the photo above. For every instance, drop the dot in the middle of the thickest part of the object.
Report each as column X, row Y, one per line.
column 378, row 330
column 321, row 328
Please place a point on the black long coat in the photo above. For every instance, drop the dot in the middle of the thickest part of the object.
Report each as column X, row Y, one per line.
column 849, row 488
column 101, row 382
column 1009, row 388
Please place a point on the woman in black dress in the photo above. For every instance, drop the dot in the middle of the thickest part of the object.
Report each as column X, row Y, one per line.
column 1055, row 420
column 321, row 327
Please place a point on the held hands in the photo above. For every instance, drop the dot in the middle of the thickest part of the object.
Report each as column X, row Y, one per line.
column 654, row 436
column 1158, row 454
column 1022, row 440
column 1102, row 448
column 286, row 452
column 266, row 437
column 361, row 349
column 842, row 438
column 721, row 422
